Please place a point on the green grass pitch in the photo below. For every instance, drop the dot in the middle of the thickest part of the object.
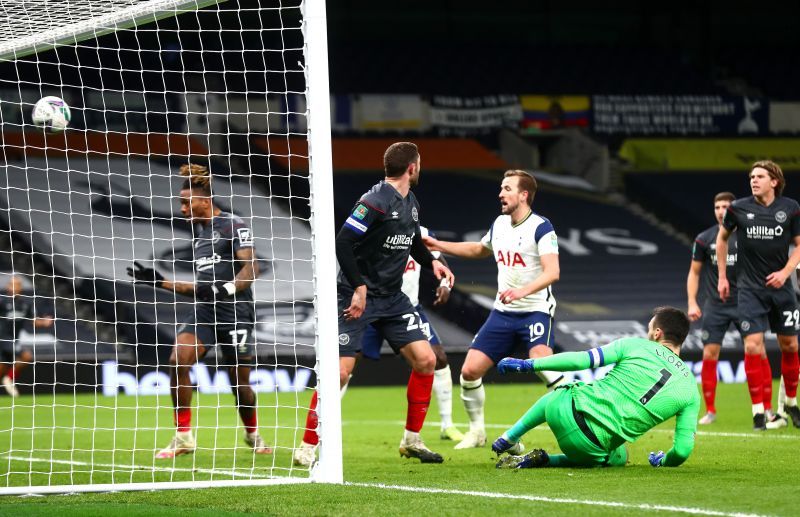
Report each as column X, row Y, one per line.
column 733, row 470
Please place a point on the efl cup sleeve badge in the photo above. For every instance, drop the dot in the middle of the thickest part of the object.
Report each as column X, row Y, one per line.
column 360, row 212
column 415, row 214
column 245, row 236
column 780, row 216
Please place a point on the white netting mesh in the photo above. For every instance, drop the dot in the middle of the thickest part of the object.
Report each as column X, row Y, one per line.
column 151, row 85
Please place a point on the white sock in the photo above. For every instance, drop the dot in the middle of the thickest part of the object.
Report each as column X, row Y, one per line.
column 183, row 434
column 758, row 408
column 443, row 389
column 410, row 436
column 551, row 379
column 791, row 401
column 474, row 397
column 781, row 397
column 251, row 435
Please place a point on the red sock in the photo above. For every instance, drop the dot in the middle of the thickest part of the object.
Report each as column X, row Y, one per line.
column 183, row 419
column 310, row 436
column 752, row 368
column 12, row 374
column 709, row 379
column 766, row 374
column 418, row 394
column 790, row 369
column 250, row 421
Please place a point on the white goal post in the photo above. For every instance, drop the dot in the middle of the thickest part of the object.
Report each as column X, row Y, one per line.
column 93, row 394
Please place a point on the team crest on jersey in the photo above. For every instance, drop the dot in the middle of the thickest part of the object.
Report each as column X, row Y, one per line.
column 780, row 216
column 343, row 339
column 414, row 214
column 751, row 216
column 214, row 237
column 360, row 212
column 245, row 236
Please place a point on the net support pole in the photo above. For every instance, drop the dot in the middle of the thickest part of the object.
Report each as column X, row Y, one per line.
column 329, row 467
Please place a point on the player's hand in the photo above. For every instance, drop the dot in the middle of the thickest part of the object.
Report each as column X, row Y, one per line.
column 655, row 458
column 442, row 295
column 724, row 289
column 43, row 322
column 510, row 295
column 694, row 312
column 145, row 275
column 511, row 364
column 357, row 304
column 215, row 291
column 776, row 279
column 442, row 272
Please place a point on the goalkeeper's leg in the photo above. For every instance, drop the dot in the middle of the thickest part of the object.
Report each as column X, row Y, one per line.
column 186, row 352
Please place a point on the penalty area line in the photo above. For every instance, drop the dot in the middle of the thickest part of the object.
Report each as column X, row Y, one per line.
column 557, row 500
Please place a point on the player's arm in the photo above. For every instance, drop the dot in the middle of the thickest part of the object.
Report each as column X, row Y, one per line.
column 423, row 255
column 778, row 278
column 692, row 287
column 149, row 276
column 683, row 442
column 550, row 274
column 470, row 250
column 565, row 361
column 723, row 287
column 443, row 291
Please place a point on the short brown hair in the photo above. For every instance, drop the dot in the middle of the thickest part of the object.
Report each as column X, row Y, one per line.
column 526, row 182
column 398, row 157
column 775, row 173
column 724, row 196
column 674, row 323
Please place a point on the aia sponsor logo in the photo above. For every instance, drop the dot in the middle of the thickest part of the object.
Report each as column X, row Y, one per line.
column 510, row 259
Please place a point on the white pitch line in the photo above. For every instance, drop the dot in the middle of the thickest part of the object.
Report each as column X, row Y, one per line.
column 416, row 489
column 142, row 468
column 558, row 500
column 761, row 435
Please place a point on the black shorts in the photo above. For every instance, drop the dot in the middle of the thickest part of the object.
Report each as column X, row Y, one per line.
column 7, row 350
column 392, row 316
column 717, row 318
column 774, row 309
column 233, row 339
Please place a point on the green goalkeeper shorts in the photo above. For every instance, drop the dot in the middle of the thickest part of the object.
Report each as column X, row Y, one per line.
column 572, row 440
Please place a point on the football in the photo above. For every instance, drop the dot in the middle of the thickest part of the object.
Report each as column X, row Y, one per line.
column 51, row 113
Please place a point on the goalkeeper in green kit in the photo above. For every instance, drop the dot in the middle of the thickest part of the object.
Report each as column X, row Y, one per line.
column 591, row 422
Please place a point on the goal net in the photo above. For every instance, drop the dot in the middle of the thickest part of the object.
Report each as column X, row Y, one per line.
column 96, row 394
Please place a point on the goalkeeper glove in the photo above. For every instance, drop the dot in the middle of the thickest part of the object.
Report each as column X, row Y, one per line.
column 145, row 275
column 215, row 291
column 510, row 364
column 655, row 458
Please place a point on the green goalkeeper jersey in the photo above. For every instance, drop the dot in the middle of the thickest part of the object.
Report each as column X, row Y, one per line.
column 648, row 385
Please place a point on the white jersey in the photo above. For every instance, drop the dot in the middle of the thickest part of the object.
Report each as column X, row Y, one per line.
column 410, row 285
column 516, row 250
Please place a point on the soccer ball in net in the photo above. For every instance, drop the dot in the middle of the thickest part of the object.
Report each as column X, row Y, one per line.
column 51, row 113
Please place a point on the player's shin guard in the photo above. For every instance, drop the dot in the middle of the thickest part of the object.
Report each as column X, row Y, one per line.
column 551, row 379
column 709, row 379
column 443, row 389
column 418, row 394
column 310, row 435
column 474, row 397
column 755, row 381
column 766, row 375
column 790, row 369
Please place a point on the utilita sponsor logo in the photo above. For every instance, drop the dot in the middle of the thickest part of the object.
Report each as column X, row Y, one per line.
column 157, row 382
column 764, row 232
column 399, row 241
column 203, row 263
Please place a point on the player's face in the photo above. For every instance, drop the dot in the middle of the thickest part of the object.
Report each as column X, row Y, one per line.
column 720, row 207
column 509, row 195
column 413, row 179
column 14, row 287
column 760, row 182
column 193, row 206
